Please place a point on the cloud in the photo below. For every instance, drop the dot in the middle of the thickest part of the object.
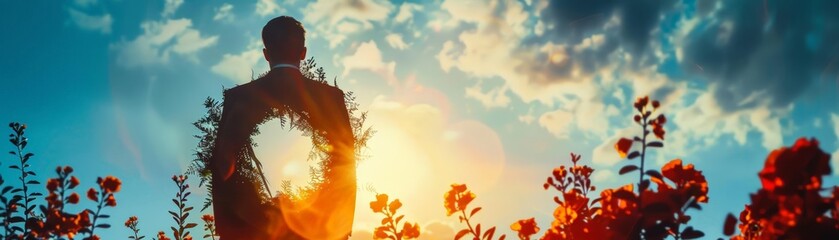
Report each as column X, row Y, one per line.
column 267, row 7
column 85, row 3
column 760, row 53
column 327, row 16
column 170, row 7
column 496, row 97
column 406, row 12
column 92, row 23
column 160, row 40
column 242, row 67
column 367, row 56
column 557, row 123
column 395, row 41
column 224, row 13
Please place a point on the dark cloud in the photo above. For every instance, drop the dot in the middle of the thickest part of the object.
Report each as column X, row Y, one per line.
column 763, row 50
column 638, row 20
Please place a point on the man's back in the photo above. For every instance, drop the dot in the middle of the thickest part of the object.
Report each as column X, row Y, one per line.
column 238, row 204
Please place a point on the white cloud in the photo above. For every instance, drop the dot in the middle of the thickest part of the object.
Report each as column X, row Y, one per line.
column 159, row 40
column 268, row 7
column 557, row 122
column 406, row 12
column 241, row 67
column 170, row 7
column 496, row 97
column 368, row 57
column 93, row 23
column 328, row 15
column 395, row 41
column 224, row 13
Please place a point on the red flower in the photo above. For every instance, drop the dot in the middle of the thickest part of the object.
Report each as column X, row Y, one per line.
column 68, row 169
column 641, row 102
column 73, row 198
column 790, row 169
column 208, row 218
column 131, row 221
column 687, row 178
column 111, row 201
column 52, row 184
column 92, row 195
column 457, row 199
column 111, row 184
column 623, row 146
column 74, row 181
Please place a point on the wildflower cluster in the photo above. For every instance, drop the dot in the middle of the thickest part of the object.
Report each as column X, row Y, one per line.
column 457, row 201
column 789, row 204
column 389, row 228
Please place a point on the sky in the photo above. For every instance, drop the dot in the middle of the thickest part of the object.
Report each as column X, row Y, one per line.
column 492, row 93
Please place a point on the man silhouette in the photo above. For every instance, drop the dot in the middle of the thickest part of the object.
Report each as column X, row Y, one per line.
column 241, row 210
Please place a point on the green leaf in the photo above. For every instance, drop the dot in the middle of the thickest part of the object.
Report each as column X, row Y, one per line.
column 633, row 155
column 190, row 225
column 690, row 233
column 655, row 144
column 654, row 173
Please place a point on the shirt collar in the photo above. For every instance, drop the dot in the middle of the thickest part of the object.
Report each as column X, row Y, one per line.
column 284, row 65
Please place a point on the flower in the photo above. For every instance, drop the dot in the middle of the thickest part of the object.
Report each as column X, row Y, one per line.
column 74, row 181
column 641, row 102
column 73, row 198
column 394, row 205
column 162, row 236
column 132, row 221
column 111, row 184
column 380, row 233
column 68, row 169
column 790, row 169
column 208, row 218
column 410, row 230
column 52, row 184
column 622, row 146
column 525, row 227
column 656, row 104
column 91, row 194
column 687, row 178
column 111, row 201
column 457, row 199
column 379, row 204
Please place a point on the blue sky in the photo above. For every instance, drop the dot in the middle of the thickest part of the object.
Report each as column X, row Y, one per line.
column 490, row 93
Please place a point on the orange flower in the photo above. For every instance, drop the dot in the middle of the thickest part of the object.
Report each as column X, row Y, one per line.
column 525, row 228
column 111, row 201
column 623, row 146
column 73, row 198
column 131, row 221
column 92, row 195
column 457, row 198
column 688, row 178
column 790, row 169
column 410, row 231
column 74, row 181
column 208, row 218
column 52, row 184
column 379, row 204
column 380, row 233
column 162, row 236
column 395, row 205
column 111, row 184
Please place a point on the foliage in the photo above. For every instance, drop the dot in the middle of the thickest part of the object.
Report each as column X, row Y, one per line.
column 22, row 196
column 209, row 226
column 457, row 200
column 180, row 217
column 131, row 224
column 789, row 204
column 389, row 228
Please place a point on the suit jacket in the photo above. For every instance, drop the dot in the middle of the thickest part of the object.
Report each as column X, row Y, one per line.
column 240, row 211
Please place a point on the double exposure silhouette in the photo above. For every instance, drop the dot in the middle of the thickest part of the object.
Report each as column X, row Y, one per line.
column 241, row 209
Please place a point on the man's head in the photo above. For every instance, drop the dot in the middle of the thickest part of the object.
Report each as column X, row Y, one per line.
column 284, row 41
